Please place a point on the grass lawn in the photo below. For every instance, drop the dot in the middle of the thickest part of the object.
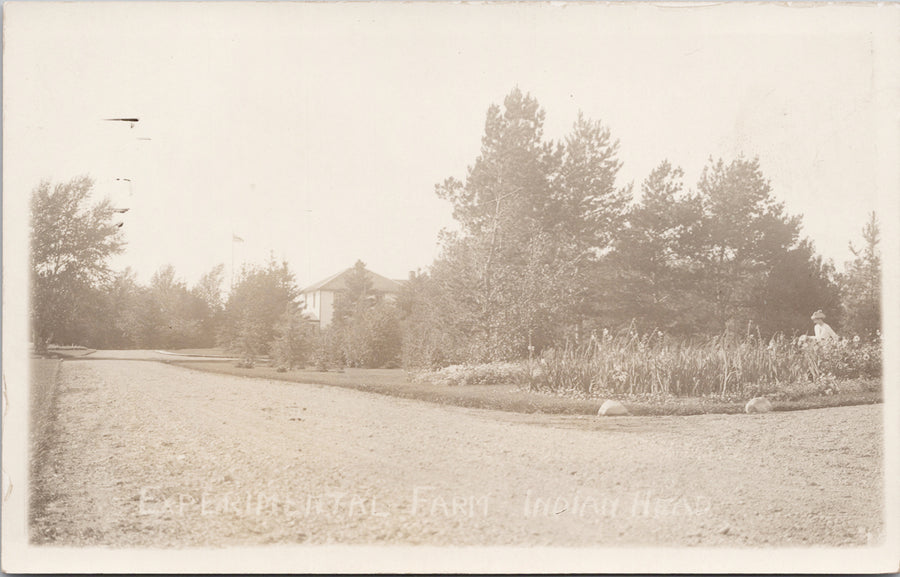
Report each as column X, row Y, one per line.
column 202, row 352
column 42, row 421
column 397, row 383
column 42, row 392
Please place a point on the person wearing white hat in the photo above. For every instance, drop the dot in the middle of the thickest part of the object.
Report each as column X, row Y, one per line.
column 823, row 331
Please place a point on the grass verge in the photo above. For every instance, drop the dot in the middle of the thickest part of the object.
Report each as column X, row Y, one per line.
column 42, row 422
column 397, row 383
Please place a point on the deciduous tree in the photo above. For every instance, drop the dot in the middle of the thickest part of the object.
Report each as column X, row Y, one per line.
column 71, row 242
column 366, row 326
column 254, row 307
column 208, row 296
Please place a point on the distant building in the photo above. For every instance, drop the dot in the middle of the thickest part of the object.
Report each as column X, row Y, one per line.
column 318, row 298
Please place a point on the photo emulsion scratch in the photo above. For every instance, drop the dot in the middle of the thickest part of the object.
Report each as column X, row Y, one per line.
column 315, row 287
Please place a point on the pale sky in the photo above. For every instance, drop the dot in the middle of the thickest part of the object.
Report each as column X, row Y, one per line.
column 318, row 132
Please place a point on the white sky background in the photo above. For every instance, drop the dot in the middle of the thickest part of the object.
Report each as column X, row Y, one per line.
column 258, row 112
column 318, row 132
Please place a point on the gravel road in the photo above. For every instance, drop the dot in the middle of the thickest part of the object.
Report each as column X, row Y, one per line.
column 147, row 454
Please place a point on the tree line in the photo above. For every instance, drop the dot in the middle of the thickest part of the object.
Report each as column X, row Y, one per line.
column 76, row 299
column 550, row 248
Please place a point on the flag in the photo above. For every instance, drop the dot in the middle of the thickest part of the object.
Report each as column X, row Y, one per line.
column 236, row 238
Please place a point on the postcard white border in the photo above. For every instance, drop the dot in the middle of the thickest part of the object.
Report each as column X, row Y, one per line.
column 881, row 20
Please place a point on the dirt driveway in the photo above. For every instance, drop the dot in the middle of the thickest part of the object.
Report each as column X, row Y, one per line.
column 147, row 454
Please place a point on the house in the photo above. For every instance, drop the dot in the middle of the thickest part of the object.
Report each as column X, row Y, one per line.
column 319, row 298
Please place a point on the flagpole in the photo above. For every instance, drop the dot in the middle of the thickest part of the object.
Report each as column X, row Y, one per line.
column 234, row 238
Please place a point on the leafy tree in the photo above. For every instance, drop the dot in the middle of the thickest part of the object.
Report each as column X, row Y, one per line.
column 125, row 296
column 163, row 314
column 426, row 334
column 180, row 312
column 356, row 297
column 862, row 284
column 326, row 349
column 381, row 334
column 438, row 316
column 724, row 257
column 209, row 287
column 293, row 345
column 94, row 329
column 71, row 243
column 209, row 306
column 252, row 337
column 799, row 283
column 254, row 307
column 366, row 327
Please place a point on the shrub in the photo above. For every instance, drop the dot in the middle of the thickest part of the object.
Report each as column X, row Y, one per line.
column 370, row 339
column 383, row 336
column 326, row 350
column 249, row 342
column 292, row 347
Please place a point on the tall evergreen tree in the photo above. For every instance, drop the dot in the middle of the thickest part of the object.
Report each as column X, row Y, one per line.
column 747, row 231
column 501, row 208
column 799, row 283
column 532, row 215
column 650, row 277
column 356, row 297
column 590, row 207
column 862, row 284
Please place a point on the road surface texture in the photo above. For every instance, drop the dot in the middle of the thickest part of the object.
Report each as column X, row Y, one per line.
column 147, row 454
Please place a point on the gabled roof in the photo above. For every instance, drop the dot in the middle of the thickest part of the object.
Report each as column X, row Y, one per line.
column 338, row 282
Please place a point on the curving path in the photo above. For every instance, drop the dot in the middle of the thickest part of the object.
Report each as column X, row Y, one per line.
column 150, row 454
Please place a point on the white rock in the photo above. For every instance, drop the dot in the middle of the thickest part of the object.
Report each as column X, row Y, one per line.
column 758, row 405
column 611, row 408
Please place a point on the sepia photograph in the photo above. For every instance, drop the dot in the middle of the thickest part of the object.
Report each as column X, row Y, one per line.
column 498, row 287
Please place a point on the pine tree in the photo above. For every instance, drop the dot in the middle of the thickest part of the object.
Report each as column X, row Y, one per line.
column 532, row 215
column 862, row 284
column 650, row 277
column 746, row 232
